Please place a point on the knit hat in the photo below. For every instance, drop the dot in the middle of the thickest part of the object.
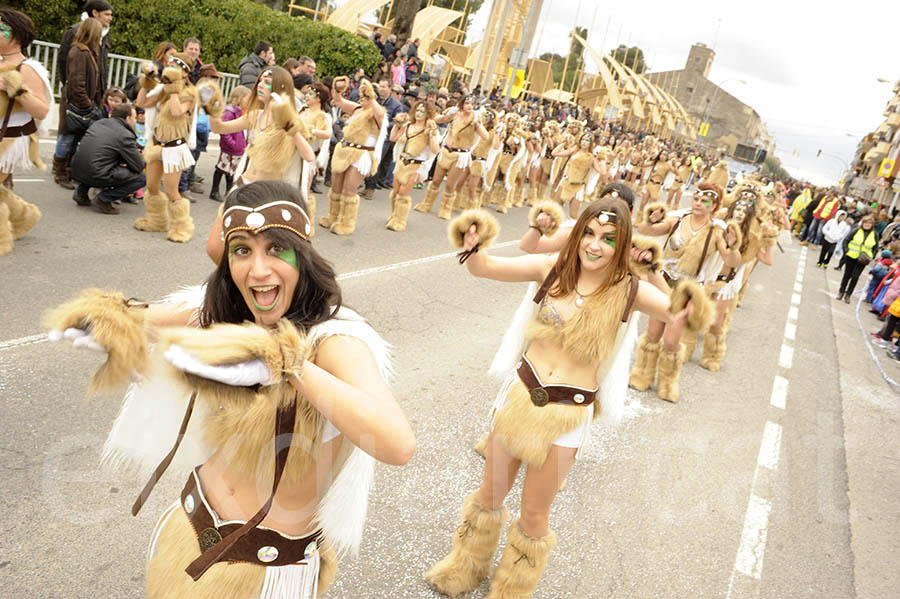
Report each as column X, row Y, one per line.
column 886, row 253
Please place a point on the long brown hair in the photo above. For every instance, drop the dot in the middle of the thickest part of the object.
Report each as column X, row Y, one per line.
column 282, row 83
column 160, row 53
column 568, row 264
column 88, row 35
column 317, row 296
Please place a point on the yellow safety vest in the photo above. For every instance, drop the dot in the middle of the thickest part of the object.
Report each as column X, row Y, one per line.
column 828, row 208
column 862, row 241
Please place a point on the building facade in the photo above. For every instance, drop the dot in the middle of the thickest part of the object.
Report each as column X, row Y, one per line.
column 870, row 176
column 731, row 122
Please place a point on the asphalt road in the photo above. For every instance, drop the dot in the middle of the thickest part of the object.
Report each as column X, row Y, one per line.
column 775, row 477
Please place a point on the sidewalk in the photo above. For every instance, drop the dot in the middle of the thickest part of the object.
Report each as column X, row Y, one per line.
column 871, row 418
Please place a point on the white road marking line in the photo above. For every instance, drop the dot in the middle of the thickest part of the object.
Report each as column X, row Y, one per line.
column 790, row 331
column 17, row 181
column 752, row 550
column 795, row 298
column 770, row 447
column 798, row 286
column 793, row 314
column 779, row 392
column 786, row 357
column 32, row 339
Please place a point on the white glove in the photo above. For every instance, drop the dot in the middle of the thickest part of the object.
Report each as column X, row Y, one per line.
column 79, row 338
column 157, row 89
column 245, row 374
column 205, row 92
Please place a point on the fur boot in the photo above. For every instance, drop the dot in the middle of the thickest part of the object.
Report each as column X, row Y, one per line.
column 311, row 213
column 522, row 565
column 519, row 198
column 448, row 201
column 181, row 225
column 6, row 238
column 23, row 216
column 61, row 173
column 506, row 200
column 474, row 544
column 431, row 194
column 644, row 371
column 484, row 198
column 689, row 340
column 669, row 372
column 713, row 351
column 347, row 218
column 532, row 194
column 498, row 195
column 334, row 208
column 399, row 213
column 157, row 219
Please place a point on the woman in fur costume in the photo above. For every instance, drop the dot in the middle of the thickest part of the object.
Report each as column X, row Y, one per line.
column 168, row 150
column 275, row 386
column 695, row 248
column 682, row 168
column 508, row 159
column 455, row 158
column 580, row 170
column 276, row 135
column 356, row 156
column 317, row 120
column 25, row 98
column 416, row 140
column 582, row 318
column 657, row 168
column 473, row 187
column 752, row 248
column 537, row 144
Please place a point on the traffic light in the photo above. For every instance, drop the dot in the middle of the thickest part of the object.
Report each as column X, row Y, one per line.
column 819, row 153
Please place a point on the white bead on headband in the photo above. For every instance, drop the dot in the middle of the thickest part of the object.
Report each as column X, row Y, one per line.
column 274, row 215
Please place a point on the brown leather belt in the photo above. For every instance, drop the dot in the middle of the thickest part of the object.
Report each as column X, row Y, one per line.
column 541, row 395
column 655, row 182
column 169, row 144
column 406, row 160
column 508, row 152
column 350, row 144
column 26, row 129
column 449, row 149
column 260, row 546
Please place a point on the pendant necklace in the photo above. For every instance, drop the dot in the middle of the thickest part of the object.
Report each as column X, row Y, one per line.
column 579, row 299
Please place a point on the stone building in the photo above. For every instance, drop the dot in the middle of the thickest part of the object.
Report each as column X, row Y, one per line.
column 730, row 121
column 870, row 177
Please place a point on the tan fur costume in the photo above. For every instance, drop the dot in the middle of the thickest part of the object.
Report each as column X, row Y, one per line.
column 553, row 210
column 645, row 244
column 521, row 565
column 274, row 149
column 575, row 177
column 116, row 323
column 358, row 130
column 13, row 83
column 487, row 226
column 719, row 174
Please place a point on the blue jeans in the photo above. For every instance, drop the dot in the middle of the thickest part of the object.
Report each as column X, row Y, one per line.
column 65, row 145
column 815, row 232
column 118, row 192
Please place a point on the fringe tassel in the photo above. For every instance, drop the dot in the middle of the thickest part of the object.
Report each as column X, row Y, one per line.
column 16, row 156
column 297, row 581
column 178, row 158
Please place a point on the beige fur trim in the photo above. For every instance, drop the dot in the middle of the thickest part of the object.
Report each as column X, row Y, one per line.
column 115, row 325
column 733, row 227
column 646, row 244
column 527, row 431
column 553, row 209
column 703, row 309
column 487, row 225
column 12, row 81
column 215, row 105
column 653, row 207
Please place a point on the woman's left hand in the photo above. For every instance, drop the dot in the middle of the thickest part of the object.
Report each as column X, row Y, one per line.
column 471, row 238
column 244, row 374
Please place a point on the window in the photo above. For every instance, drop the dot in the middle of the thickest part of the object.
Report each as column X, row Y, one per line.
column 697, row 59
column 690, row 90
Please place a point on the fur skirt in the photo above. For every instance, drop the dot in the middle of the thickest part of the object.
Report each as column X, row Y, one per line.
column 16, row 155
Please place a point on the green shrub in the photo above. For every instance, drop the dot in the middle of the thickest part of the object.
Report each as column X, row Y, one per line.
column 227, row 29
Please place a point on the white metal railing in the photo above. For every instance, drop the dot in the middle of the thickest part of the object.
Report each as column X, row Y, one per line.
column 118, row 67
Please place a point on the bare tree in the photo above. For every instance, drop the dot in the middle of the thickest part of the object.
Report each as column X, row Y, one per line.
column 404, row 16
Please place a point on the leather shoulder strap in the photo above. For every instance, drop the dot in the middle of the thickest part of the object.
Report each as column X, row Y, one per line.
column 545, row 286
column 712, row 228
column 632, row 293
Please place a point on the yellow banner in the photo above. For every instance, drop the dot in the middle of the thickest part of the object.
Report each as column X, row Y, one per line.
column 887, row 165
column 518, row 82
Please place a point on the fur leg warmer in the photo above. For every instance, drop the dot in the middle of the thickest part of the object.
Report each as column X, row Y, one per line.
column 474, row 544
column 669, row 373
column 116, row 323
column 713, row 351
column 689, row 340
column 481, row 447
column 519, row 198
column 347, row 218
column 311, row 212
column 6, row 237
column 431, row 194
column 157, row 219
column 399, row 213
column 532, row 194
column 181, row 225
column 448, row 201
column 644, row 371
column 22, row 215
column 334, row 208
column 522, row 565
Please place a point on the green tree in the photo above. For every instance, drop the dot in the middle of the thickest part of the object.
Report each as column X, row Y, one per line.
column 404, row 11
column 772, row 166
column 632, row 57
column 558, row 63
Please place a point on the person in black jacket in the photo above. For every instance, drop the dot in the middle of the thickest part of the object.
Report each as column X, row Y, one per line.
column 108, row 158
column 102, row 11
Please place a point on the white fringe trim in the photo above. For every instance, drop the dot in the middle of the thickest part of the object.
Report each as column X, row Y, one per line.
column 464, row 161
column 296, row 581
column 16, row 156
column 178, row 158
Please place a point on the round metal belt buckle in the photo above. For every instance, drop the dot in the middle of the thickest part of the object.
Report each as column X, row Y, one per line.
column 207, row 538
column 539, row 397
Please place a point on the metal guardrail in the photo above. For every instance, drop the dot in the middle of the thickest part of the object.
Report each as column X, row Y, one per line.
column 118, row 67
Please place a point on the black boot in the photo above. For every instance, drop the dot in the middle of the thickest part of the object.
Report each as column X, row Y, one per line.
column 61, row 173
column 214, row 192
column 81, row 198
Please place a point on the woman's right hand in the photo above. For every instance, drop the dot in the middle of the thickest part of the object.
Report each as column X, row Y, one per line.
column 546, row 221
column 80, row 338
column 471, row 238
column 657, row 216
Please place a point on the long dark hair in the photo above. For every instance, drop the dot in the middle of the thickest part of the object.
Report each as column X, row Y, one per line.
column 748, row 221
column 568, row 264
column 317, row 296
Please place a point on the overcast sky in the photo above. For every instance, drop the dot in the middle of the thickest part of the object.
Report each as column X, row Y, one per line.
column 811, row 70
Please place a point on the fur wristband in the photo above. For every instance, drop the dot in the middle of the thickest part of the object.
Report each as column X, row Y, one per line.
column 552, row 209
column 702, row 311
column 487, row 226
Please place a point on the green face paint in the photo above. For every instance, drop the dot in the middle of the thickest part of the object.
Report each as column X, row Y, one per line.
column 290, row 256
column 263, row 308
column 6, row 31
column 611, row 242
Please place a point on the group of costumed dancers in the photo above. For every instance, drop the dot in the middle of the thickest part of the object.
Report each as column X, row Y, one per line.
column 272, row 399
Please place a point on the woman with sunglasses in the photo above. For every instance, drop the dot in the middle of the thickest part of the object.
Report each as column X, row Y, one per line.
column 576, row 341
column 695, row 248
column 25, row 97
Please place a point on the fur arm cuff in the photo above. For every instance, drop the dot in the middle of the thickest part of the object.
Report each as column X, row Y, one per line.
column 487, row 225
column 769, row 235
column 702, row 309
column 645, row 244
column 550, row 208
column 116, row 323
column 653, row 207
column 283, row 349
column 733, row 227
column 13, row 83
column 211, row 98
column 284, row 116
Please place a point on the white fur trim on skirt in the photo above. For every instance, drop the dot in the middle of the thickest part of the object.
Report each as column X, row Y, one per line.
column 464, row 160
column 177, row 158
column 364, row 164
column 16, row 156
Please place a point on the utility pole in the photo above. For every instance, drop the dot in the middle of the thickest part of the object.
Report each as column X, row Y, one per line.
column 519, row 58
